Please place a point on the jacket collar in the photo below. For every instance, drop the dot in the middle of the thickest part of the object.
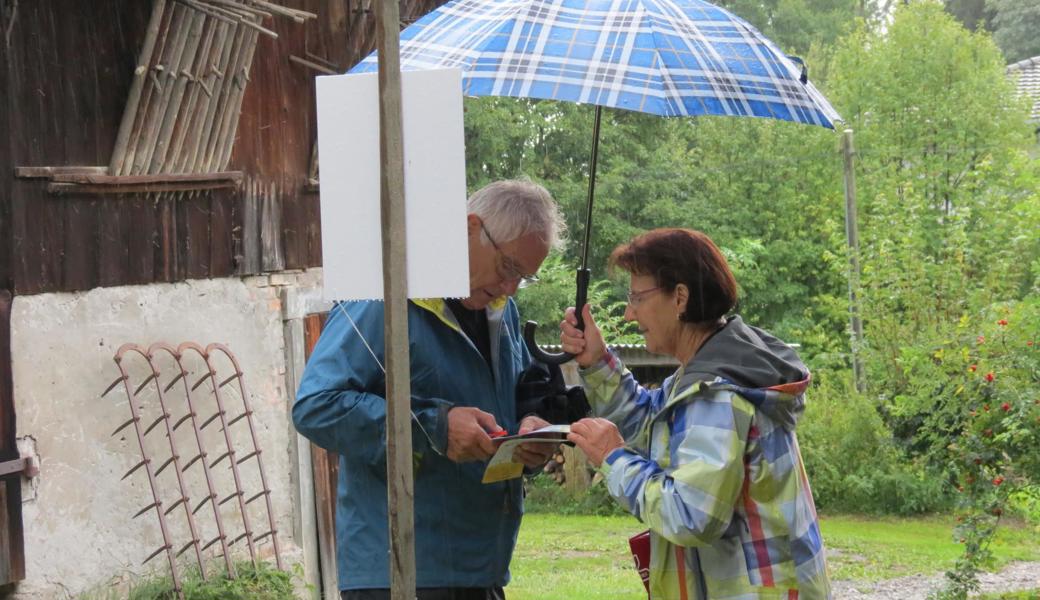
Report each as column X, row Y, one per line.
column 440, row 309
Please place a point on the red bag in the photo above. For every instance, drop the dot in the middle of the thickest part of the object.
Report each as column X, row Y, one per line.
column 640, row 546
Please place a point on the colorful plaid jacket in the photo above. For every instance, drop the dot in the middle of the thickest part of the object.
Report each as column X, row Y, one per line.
column 712, row 467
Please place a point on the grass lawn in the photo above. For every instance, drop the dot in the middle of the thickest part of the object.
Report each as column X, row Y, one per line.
column 586, row 557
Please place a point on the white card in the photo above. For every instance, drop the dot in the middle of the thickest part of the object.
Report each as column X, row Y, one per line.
column 434, row 182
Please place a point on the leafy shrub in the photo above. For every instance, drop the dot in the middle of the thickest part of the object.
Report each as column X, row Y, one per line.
column 545, row 496
column 260, row 582
column 853, row 463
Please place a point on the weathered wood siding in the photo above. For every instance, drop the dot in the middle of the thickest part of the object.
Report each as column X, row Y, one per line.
column 66, row 72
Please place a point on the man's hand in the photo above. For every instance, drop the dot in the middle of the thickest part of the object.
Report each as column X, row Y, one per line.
column 587, row 346
column 597, row 438
column 537, row 454
column 468, row 438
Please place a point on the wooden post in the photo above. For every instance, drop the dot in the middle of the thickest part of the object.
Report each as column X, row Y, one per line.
column 852, row 236
column 400, row 492
column 140, row 73
column 12, row 542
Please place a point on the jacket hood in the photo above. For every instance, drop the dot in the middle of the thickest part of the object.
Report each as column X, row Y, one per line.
column 755, row 364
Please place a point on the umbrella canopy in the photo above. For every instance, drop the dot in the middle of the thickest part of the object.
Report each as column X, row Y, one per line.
column 664, row 57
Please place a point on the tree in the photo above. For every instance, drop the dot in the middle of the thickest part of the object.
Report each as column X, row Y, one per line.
column 1013, row 23
column 1016, row 24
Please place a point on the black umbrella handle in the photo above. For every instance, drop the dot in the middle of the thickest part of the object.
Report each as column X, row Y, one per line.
column 581, row 297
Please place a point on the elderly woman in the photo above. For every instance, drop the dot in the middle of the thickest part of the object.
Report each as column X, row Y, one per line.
column 709, row 461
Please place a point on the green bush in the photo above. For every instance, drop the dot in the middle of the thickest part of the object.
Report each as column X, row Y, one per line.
column 854, row 464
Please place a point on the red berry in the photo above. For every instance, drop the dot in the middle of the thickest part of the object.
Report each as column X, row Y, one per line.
column 990, row 376
column 998, row 480
column 972, row 368
column 1005, row 407
column 1002, row 322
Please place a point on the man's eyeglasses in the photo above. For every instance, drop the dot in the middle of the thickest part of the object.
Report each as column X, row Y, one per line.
column 507, row 267
column 635, row 298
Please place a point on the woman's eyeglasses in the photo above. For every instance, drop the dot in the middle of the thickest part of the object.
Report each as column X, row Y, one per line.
column 635, row 298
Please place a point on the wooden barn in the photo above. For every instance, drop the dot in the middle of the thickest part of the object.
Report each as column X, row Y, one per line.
column 160, row 185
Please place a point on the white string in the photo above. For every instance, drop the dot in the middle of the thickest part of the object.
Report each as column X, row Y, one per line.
column 339, row 305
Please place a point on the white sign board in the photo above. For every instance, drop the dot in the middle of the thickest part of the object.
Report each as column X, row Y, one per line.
column 434, row 185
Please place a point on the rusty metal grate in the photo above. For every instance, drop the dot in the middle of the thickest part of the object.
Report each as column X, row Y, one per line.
column 184, row 392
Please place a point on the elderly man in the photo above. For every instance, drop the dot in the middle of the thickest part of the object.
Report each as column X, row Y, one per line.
column 466, row 357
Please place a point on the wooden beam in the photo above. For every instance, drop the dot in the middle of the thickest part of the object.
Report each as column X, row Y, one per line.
column 400, row 487
column 233, row 177
column 50, row 172
column 311, row 65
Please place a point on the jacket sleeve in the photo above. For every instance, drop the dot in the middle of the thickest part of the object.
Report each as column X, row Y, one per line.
column 616, row 396
column 691, row 502
column 340, row 404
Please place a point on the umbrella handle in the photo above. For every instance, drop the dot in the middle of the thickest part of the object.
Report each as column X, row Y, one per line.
column 581, row 296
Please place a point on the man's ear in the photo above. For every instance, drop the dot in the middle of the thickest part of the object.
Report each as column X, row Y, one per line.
column 472, row 225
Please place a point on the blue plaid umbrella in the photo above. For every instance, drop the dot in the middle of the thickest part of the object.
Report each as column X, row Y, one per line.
column 664, row 57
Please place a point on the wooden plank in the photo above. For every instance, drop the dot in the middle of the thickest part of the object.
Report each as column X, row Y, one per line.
column 12, row 544
column 271, row 256
column 167, row 267
column 400, row 487
column 6, row 111
column 143, row 239
column 39, row 236
column 193, row 233
column 80, row 268
column 221, row 233
column 326, row 478
column 248, row 251
column 113, row 241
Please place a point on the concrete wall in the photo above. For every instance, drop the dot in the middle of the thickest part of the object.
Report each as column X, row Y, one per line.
column 79, row 533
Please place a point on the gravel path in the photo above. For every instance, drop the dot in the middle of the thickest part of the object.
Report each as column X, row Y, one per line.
column 1016, row 576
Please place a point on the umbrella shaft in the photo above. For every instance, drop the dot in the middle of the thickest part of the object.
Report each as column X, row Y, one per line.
column 592, row 188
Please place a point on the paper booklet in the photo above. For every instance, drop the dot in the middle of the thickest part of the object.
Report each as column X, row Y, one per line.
column 502, row 467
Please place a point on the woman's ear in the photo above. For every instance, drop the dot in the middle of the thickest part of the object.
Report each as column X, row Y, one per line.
column 681, row 296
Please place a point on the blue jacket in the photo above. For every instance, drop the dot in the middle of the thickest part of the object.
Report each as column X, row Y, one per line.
column 464, row 530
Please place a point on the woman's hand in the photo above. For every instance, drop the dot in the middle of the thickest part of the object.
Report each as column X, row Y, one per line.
column 597, row 438
column 587, row 346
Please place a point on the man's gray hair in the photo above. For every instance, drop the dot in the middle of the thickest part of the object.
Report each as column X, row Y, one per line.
column 513, row 208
